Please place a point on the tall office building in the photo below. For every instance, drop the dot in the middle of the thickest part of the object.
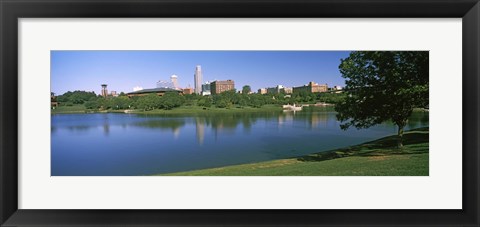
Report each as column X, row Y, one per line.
column 198, row 79
column 174, row 80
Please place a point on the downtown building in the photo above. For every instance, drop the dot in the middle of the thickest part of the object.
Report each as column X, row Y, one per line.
column 198, row 80
column 219, row 86
column 262, row 91
column 173, row 83
column 278, row 89
column 311, row 87
column 206, row 89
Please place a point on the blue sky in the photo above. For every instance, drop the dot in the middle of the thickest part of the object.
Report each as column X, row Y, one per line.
column 124, row 70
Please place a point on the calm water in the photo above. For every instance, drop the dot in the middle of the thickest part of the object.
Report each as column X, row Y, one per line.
column 131, row 144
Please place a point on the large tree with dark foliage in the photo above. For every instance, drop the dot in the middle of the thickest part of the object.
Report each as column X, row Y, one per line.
column 382, row 86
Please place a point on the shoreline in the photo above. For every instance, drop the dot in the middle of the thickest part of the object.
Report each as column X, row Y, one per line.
column 379, row 157
column 186, row 110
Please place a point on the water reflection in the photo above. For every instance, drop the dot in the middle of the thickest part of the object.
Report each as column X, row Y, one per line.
column 227, row 123
column 142, row 144
column 162, row 124
column 200, row 130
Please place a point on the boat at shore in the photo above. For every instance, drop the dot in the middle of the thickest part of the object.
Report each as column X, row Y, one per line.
column 292, row 107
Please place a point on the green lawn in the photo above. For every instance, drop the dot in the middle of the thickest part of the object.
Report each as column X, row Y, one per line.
column 376, row 158
column 201, row 110
column 80, row 108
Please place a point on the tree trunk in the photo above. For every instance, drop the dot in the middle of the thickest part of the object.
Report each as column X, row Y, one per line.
column 400, row 136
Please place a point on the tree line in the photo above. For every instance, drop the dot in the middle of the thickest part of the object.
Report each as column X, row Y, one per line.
column 170, row 100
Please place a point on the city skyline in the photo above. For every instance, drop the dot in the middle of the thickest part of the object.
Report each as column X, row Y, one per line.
column 124, row 70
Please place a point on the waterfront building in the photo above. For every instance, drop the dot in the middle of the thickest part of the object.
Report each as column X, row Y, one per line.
column 218, row 86
column 312, row 87
column 104, row 90
column 198, row 79
column 262, row 91
column 159, row 91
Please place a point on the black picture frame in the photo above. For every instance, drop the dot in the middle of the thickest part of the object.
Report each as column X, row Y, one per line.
column 12, row 10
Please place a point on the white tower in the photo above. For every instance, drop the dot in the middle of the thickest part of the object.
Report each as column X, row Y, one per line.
column 198, row 79
column 174, row 81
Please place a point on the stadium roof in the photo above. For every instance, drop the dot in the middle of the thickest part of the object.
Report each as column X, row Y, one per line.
column 152, row 90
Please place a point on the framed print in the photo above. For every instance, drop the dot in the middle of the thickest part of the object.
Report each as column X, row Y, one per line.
column 239, row 113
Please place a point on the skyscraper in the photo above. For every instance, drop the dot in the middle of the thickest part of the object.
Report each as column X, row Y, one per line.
column 173, row 78
column 198, row 79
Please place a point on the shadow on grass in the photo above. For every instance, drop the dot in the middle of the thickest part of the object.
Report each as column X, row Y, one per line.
column 414, row 141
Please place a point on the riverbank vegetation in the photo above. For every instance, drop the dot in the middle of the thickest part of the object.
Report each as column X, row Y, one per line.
column 229, row 101
column 375, row 158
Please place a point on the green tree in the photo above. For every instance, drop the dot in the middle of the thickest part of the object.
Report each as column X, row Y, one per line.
column 382, row 86
column 148, row 102
column 226, row 99
column 76, row 97
column 205, row 101
column 256, row 100
column 92, row 103
column 246, row 89
column 171, row 100
column 121, row 102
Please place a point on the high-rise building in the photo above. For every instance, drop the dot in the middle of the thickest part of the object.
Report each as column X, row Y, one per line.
column 104, row 90
column 198, row 79
column 174, row 80
column 217, row 87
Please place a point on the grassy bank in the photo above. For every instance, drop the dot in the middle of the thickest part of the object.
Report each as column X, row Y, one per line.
column 69, row 109
column 201, row 110
column 376, row 158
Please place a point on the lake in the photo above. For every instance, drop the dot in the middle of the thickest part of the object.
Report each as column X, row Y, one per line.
column 117, row 144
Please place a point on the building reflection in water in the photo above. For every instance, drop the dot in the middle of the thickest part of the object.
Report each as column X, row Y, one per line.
column 106, row 125
column 200, row 129
column 318, row 119
column 176, row 132
column 284, row 119
column 311, row 120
